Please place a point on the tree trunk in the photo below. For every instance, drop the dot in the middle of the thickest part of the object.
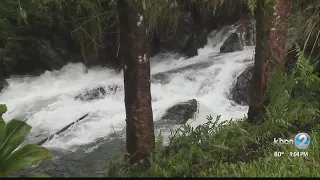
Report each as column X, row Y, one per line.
column 140, row 139
column 271, row 33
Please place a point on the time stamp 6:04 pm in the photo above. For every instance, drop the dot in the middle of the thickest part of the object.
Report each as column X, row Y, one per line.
column 301, row 141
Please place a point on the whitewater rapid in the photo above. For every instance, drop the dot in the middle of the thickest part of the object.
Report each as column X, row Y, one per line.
column 47, row 101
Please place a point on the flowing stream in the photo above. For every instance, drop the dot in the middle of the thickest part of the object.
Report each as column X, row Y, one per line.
column 47, row 102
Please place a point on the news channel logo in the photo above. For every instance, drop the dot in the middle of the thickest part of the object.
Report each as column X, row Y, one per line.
column 301, row 141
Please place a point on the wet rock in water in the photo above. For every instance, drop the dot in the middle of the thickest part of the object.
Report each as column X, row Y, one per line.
column 232, row 44
column 216, row 36
column 97, row 93
column 93, row 94
column 180, row 113
column 240, row 91
column 91, row 160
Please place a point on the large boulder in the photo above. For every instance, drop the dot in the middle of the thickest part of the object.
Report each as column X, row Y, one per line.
column 37, row 56
column 240, row 91
column 97, row 93
column 232, row 43
column 180, row 113
column 187, row 39
column 51, row 57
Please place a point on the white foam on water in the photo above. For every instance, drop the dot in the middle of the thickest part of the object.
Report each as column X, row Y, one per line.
column 47, row 102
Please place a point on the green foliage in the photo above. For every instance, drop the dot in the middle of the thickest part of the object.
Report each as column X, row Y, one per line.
column 163, row 15
column 270, row 2
column 282, row 86
column 12, row 158
column 304, row 27
column 22, row 21
column 238, row 149
column 252, row 4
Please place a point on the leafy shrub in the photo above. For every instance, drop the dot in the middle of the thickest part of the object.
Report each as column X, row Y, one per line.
column 12, row 158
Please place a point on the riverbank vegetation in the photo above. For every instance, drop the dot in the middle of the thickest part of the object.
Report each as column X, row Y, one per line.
column 239, row 149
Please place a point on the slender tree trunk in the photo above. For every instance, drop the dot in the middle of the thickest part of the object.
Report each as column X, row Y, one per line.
column 140, row 138
column 271, row 35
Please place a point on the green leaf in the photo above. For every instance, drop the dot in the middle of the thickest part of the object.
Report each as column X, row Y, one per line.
column 15, row 133
column 252, row 4
column 270, row 2
column 222, row 147
column 2, row 130
column 25, row 157
column 3, row 109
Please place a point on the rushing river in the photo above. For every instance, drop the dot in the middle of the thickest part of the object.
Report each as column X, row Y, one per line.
column 47, row 101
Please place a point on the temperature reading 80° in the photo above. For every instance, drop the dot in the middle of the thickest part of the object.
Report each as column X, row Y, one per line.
column 278, row 154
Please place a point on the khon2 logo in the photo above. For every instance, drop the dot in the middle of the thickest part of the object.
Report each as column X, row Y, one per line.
column 302, row 141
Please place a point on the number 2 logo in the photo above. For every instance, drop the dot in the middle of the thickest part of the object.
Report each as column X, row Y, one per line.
column 302, row 140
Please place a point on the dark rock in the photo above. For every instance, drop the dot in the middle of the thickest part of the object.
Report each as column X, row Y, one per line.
column 217, row 35
column 3, row 84
column 60, row 45
column 93, row 94
column 198, row 41
column 240, row 90
column 232, row 43
column 183, row 38
column 87, row 161
column 51, row 57
column 40, row 55
column 97, row 93
column 180, row 113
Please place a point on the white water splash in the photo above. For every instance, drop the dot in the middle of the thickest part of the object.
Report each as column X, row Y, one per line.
column 47, row 101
